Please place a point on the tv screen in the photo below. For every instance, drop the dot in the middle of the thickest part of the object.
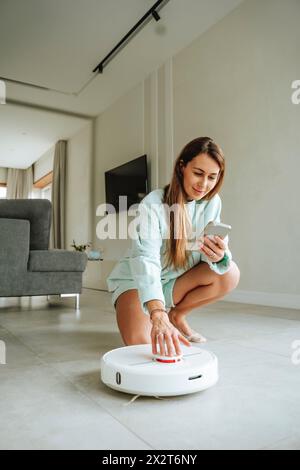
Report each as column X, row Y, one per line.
column 128, row 180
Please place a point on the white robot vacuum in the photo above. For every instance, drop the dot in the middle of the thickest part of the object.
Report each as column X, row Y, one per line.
column 134, row 369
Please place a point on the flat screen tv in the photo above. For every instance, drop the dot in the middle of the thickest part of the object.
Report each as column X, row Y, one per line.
column 129, row 179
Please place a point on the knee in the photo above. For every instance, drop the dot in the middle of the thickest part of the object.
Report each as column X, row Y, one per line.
column 230, row 279
column 135, row 339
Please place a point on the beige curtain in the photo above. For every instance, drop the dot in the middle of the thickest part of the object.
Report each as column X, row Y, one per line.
column 19, row 183
column 58, row 197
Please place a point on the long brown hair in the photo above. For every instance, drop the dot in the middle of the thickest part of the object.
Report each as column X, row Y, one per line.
column 174, row 193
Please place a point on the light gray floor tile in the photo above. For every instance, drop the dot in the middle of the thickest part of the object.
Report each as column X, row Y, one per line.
column 254, row 403
column 285, row 343
column 52, row 397
column 63, row 344
column 40, row 409
column 222, row 324
column 290, row 443
column 17, row 354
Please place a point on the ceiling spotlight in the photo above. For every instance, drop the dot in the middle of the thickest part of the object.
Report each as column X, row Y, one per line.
column 155, row 15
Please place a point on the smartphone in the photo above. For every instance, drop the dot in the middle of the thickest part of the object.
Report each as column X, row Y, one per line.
column 217, row 228
column 211, row 229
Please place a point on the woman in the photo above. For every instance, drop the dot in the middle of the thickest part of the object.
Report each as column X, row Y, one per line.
column 158, row 275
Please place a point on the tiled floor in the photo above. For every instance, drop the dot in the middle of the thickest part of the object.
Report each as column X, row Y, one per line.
column 51, row 396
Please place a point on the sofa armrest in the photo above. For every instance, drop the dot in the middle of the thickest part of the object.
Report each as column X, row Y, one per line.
column 57, row 261
column 14, row 245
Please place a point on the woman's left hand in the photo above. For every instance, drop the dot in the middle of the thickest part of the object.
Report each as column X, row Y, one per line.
column 214, row 248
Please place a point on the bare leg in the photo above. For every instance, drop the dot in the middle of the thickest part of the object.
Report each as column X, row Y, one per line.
column 189, row 294
column 178, row 316
column 201, row 295
column 134, row 325
column 196, row 287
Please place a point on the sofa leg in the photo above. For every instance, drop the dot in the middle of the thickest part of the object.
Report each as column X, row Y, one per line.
column 77, row 303
column 77, row 297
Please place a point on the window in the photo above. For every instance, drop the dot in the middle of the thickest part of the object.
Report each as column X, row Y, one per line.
column 46, row 192
column 2, row 192
column 42, row 188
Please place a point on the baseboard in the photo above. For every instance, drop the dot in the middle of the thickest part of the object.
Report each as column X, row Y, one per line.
column 264, row 298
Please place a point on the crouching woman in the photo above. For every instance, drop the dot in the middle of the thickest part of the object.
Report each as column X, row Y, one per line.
column 159, row 281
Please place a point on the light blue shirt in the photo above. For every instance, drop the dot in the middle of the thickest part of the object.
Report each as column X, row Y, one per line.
column 143, row 262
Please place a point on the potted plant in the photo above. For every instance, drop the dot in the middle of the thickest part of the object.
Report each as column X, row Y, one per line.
column 80, row 247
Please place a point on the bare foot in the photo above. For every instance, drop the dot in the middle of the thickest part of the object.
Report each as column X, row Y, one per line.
column 178, row 320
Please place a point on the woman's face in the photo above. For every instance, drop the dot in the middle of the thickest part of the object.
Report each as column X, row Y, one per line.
column 200, row 175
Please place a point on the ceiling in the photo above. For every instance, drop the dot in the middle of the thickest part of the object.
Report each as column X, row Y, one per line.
column 57, row 44
column 25, row 135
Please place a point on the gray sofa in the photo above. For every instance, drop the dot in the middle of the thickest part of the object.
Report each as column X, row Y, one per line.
column 27, row 266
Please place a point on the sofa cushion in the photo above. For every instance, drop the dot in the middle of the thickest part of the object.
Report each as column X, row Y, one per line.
column 56, row 260
column 37, row 211
column 14, row 247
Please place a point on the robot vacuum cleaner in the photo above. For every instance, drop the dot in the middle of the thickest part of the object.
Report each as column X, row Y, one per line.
column 134, row 369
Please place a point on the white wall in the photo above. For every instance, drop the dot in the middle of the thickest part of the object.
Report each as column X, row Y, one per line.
column 43, row 165
column 138, row 123
column 79, row 184
column 118, row 138
column 79, row 203
column 234, row 84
